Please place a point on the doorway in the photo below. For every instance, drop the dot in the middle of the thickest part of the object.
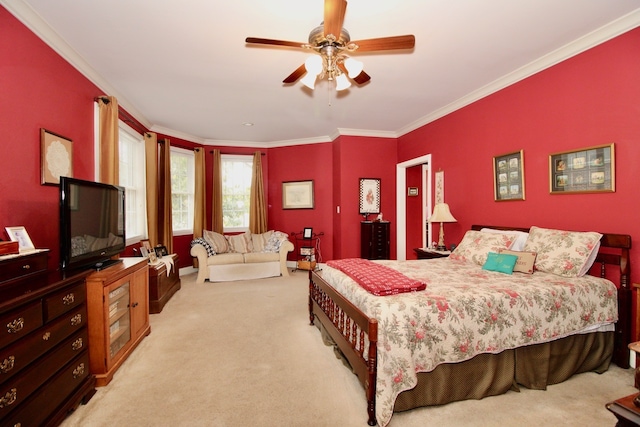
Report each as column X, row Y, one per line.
column 401, row 202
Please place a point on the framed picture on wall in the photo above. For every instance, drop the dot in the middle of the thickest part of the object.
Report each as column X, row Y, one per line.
column 369, row 196
column 55, row 157
column 508, row 176
column 297, row 195
column 588, row 170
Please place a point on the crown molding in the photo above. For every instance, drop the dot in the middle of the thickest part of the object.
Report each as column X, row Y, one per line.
column 590, row 40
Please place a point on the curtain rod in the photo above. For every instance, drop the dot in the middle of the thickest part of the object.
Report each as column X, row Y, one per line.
column 237, row 154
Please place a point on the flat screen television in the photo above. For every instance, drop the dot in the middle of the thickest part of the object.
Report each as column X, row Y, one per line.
column 92, row 224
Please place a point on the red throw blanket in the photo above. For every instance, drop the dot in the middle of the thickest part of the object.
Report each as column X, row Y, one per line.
column 378, row 279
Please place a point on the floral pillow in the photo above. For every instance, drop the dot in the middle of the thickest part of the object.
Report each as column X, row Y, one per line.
column 565, row 253
column 476, row 245
column 275, row 241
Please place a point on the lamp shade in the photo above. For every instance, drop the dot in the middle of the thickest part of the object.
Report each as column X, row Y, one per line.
column 313, row 64
column 441, row 213
column 353, row 66
column 342, row 82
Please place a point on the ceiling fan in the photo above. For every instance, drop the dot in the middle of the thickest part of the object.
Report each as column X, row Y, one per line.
column 332, row 43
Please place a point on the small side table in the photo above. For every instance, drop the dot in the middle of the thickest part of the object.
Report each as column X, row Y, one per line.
column 424, row 253
column 162, row 286
column 627, row 413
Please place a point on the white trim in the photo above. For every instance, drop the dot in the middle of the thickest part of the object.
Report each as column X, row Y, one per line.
column 401, row 202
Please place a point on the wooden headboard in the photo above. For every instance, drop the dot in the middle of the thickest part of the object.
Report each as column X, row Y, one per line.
column 614, row 250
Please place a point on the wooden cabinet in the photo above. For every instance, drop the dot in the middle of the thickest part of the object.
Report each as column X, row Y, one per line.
column 375, row 239
column 162, row 286
column 118, row 309
column 44, row 356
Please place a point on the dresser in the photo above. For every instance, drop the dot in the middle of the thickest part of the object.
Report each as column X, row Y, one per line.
column 118, row 310
column 44, row 357
column 375, row 239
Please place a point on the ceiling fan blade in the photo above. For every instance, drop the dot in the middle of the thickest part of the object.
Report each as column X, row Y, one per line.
column 385, row 43
column 362, row 78
column 256, row 40
column 334, row 11
column 293, row 77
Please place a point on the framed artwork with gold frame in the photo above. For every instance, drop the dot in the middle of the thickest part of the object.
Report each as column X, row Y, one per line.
column 587, row 170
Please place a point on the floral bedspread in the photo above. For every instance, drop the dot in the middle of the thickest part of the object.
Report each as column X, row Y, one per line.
column 465, row 311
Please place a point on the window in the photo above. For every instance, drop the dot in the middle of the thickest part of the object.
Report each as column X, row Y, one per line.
column 133, row 179
column 182, row 190
column 236, row 192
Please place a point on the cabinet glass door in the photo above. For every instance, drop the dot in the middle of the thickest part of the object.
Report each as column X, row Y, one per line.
column 119, row 319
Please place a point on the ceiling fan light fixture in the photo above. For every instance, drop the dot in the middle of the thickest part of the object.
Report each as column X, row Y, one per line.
column 309, row 80
column 313, row 64
column 342, row 82
column 353, row 66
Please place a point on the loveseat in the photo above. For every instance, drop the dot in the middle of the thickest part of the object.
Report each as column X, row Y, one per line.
column 245, row 256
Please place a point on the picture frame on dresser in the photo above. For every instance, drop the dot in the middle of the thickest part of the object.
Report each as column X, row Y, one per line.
column 20, row 235
column 56, row 157
column 508, row 176
column 586, row 170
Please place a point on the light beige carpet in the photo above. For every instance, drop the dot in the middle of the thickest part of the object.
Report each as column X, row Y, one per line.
column 243, row 354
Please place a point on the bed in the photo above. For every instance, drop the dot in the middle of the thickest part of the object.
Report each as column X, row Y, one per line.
column 575, row 333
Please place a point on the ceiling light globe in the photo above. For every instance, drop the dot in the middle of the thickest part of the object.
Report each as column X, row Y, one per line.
column 313, row 64
column 353, row 66
column 342, row 82
column 309, row 80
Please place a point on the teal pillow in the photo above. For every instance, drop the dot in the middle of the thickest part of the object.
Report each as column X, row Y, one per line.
column 503, row 263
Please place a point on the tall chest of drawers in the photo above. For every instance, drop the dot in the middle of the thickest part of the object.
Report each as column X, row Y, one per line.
column 44, row 357
column 375, row 240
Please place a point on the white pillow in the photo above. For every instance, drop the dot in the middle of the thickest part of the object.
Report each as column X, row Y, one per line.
column 518, row 244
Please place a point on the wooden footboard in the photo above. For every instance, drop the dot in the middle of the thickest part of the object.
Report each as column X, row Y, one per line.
column 351, row 330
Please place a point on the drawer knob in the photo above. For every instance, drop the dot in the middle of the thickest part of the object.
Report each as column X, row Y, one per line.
column 77, row 344
column 78, row 371
column 46, row 336
column 69, row 299
column 9, row 398
column 7, row 364
column 76, row 320
column 15, row 326
column 26, row 267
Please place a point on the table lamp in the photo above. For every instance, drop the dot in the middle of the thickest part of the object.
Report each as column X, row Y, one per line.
column 441, row 214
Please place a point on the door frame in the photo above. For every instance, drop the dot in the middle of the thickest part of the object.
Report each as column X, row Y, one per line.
column 401, row 202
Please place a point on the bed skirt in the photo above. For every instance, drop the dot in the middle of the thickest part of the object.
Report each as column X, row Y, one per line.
column 533, row 367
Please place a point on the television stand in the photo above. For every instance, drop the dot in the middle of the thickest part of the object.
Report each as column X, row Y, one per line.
column 105, row 264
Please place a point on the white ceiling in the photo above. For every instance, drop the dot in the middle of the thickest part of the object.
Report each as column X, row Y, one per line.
column 182, row 67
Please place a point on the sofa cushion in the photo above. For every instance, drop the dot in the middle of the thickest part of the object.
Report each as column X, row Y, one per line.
column 223, row 259
column 240, row 243
column 260, row 240
column 217, row 241
column 253, row 257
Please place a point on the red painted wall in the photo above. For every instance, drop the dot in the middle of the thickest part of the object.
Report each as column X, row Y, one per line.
column 588, row 100
column 39, row 90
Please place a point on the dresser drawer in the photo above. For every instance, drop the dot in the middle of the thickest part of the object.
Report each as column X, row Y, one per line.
column 23, row 266
column 36, row 410
column 63, row 301
column 18, row 323
column 18, row 355
column 20, row 387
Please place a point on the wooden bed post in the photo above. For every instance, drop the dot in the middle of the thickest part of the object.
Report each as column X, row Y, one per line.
column 372, row 367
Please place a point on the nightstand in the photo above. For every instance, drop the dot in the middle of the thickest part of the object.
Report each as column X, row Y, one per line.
column 424, row 253
column 625, row 410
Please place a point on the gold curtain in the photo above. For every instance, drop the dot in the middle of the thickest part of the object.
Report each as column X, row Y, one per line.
column 108, row 140
column 216, row 202
column 165, row 218
column 151, row 160
column 257, row 203
column 199, row 203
